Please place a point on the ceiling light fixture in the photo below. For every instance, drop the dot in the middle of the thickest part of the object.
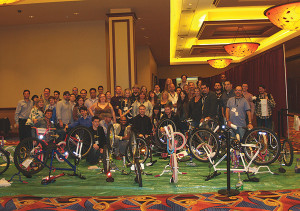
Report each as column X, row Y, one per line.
column 219, row 63
column 7, row 2
column 241, row 49
column 285, row 16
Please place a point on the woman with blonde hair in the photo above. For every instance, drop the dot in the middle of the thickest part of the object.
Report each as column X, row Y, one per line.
column 168, row 83
column 36, row 112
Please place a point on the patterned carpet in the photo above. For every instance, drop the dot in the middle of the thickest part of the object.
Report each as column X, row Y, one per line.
column 258, row 200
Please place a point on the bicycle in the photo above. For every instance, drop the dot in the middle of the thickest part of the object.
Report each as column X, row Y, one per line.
column 175, row 141
column 286, row 156
column 135, row 151
column 4, row 158
column 250, row 149
column 31, row 155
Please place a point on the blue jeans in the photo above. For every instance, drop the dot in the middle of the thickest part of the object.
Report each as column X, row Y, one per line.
column 241, row 131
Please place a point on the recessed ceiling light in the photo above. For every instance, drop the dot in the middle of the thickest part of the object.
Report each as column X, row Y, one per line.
column 142, row 28
column 76, row 13
column 182, row 38
column 190, row 4
column 140, row 18
column 31, row 16
column 146, row 37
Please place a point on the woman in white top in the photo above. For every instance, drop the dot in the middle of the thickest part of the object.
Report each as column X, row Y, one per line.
column 142, row 100
column 36, row 113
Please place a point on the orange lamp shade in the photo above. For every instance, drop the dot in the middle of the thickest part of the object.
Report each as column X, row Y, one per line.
column 219, row 63
column 241, row 49
column 285, row 16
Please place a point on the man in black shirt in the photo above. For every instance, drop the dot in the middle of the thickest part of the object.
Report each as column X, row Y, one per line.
column 115, row 101
column 208, row 103
column 99, row 141
column 141, row 124
column 135, row 93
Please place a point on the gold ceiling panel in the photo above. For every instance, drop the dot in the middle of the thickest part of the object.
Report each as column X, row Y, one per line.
column 228, row 29
column 208, row 50
column 243, row 3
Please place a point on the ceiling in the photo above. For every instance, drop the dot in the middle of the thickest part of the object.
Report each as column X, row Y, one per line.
column 177, row 31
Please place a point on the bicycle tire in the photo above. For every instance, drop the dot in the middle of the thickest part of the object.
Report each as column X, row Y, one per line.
column 61, row 147
column 212, row 124
column 174, row 168
column 199, row 139
column 33, row 151
column 287, row 152
column 106, row 161
column 179, row 139
column 4, row 160
column 159, row 135
column 266, row 141
column 138, row 172
column 110, row 136
column 11, row 151
column 143, row 153
column 79, row 133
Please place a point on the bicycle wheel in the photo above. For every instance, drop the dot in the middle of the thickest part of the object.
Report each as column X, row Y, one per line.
column 212, row 124
column 266, row 141
column 174, row 168
column 79, row 134
column 106, row 161
column 142, row 153
column 110, row 136
column 201, row 138
column 4, row 160
column 138, row 172
column 11, row 151
column 287, row 152
column 161, row 137
column 30, row 154
column 61, row 147
column 179, row 139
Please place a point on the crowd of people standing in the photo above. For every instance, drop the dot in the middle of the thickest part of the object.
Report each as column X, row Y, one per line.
column 186, row 100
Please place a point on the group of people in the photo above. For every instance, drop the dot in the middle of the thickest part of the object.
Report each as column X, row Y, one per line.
column 143, row 109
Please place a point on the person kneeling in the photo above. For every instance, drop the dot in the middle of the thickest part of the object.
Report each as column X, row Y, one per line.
column 99, row 140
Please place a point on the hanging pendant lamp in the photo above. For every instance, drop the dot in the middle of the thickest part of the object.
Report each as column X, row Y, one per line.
column 219, row 63
column 241, row 49
column 285, row 16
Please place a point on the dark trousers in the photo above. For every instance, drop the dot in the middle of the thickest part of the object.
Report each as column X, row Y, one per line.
column 94, row 156
column 264, row 122
column 24, row 130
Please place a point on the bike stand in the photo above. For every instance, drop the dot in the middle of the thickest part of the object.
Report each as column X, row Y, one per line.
column 255, row 170
column 253, row 179
column 18, row 174
column 168, row 171
column 211, row 176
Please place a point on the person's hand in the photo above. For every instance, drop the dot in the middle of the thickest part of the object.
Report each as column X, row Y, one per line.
column 96, row 147
column 201, row 120
column 66, row 127
column 141, row 136
column 207, row 118
column 146, row 136
column 34, row 121
column 250, row 126
column 101, row 150
column 229, row 123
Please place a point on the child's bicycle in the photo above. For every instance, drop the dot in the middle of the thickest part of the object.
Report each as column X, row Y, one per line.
column 175, row 141
column 31, row 155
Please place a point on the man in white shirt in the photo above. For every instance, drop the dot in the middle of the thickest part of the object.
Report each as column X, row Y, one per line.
column 93, row 98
